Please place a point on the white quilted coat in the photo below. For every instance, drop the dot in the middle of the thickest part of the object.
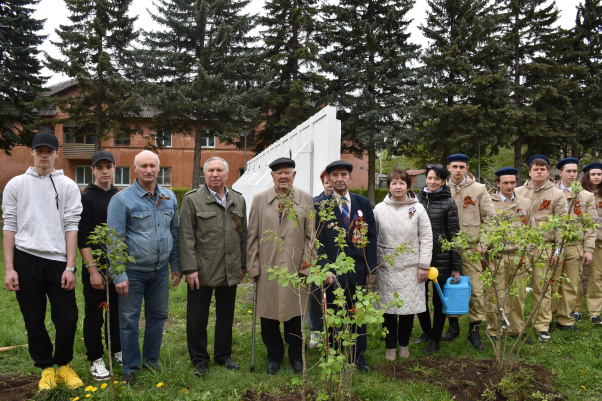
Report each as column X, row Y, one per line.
column 394, row 226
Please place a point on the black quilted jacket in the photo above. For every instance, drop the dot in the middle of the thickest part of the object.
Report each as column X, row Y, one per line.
column 443, row 214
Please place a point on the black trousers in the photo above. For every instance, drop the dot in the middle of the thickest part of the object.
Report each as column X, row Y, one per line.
column 197, row 318
column 272, row 339
column 436, row 331
column 361, row 342
column 400, row 329
column 95, row 317
column 40, row 278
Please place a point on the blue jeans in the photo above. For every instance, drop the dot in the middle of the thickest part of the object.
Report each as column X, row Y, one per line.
column 154, row 288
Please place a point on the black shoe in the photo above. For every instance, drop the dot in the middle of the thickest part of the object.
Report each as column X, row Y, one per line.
column 230, row 364
column 474, row 336
column 273, row 368
column 453, row 330
column 568, row 328
column 424, row 337
column 297, row 367
column 576, row 316
column 201, row 370
column 431, row 347
column 128, row 378
column 364, row 368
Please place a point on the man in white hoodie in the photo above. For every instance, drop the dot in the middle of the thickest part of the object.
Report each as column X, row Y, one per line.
column 41, row 211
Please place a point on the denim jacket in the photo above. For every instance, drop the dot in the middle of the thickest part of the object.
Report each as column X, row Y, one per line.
column 149, row 227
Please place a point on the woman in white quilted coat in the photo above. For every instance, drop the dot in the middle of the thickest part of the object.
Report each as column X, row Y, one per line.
column 400, row 218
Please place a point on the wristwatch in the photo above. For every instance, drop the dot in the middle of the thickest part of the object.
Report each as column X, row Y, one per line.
column 70, row 269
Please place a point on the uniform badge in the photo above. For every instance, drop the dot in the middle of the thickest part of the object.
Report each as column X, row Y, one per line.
column 577, row 209
column 545, row 204
column 599, row 205
column 358, row 230
column 412, row 211
column 521, row 213
column 468, row 201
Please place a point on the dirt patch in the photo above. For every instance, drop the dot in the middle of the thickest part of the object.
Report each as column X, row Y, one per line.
column 294, row 395
column 18, row 388
column 467, row 379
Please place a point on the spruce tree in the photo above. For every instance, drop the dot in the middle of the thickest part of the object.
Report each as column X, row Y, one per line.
column 20, row 79
column 202, row 70
column 369, row 58
column 95, row 49
column 289, row 33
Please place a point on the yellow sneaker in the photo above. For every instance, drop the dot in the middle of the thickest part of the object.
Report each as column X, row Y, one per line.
column 48, row 379
column 67, row 376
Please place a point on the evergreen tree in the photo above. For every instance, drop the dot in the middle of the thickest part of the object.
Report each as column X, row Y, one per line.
column 95, row 51
column 465, row 92
column 370, row 61
column 20, row 79
column 202, row 67
column 290, row 57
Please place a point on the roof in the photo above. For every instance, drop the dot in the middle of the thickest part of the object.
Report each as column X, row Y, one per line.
column 54, row 89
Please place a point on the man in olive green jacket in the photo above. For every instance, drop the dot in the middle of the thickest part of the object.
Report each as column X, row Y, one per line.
column 213, row 238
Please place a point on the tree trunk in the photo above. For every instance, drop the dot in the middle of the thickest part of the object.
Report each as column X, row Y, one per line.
column 518, row 145
column 371, row 171
column 196, row 166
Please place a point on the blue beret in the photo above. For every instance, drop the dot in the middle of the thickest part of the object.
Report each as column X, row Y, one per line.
column 568, row 160
column 282, row 162
column 506, row 171
column 592, row 166
column 458, row 157
column 542, row 157
column 339, row 164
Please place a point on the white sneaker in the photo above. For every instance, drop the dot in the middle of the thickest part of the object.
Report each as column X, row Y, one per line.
column 315, row 338
column 99, row 370
column 118, row 358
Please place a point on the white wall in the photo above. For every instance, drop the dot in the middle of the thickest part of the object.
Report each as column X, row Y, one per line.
column 313, row 145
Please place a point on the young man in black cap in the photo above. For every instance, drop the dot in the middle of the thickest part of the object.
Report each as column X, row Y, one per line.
column 577, row 254
column 95, row 201
column 41, row 211
column 352, row 212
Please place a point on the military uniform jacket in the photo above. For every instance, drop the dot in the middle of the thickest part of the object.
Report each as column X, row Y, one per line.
column 584, row 204
column 473, row 204
column 546, row 201
column 273, row 300
column 520, row 206
column 598, row 216
column 213, row 239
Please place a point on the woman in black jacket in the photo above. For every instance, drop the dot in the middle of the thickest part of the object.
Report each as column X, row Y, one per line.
column 441, row 208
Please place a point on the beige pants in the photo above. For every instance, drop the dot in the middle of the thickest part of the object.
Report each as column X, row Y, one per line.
column 514, row 305
column 572, row 265
column 476, row 309
column 539, row 277
column 594, row 283
column 578, row 307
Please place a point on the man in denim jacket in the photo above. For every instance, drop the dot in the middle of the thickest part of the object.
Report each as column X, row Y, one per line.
column 146, row 216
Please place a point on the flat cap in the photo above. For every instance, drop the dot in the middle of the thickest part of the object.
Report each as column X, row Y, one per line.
column 506, row 171
column 592, row 166
column 458, row 157
column 568, row 160
column 102, row 155
column 542, row 157
column 339, row 164
column 282, row 162
column 45, row 139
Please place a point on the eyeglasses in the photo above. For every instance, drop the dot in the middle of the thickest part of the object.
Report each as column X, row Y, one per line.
column 434, row 166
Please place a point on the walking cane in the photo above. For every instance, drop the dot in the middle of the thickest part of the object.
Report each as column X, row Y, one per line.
column 253, row 329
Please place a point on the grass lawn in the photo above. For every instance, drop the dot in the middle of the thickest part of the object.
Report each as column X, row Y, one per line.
column 574, row 359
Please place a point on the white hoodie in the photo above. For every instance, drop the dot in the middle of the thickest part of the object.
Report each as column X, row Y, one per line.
column 29, row 208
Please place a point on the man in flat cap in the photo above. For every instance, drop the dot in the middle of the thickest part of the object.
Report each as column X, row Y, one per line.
column 41, row 210
column 576, row 254
column 277, row 304
column 546, row 201
column 474, row 205
column 352, row 212
column 505, row 200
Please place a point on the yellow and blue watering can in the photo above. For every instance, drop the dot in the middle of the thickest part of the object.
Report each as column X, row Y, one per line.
column 457, row 295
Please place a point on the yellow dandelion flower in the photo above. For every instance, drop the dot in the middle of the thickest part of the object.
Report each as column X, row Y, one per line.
column 583, row 387
column 89, row 388
column 185, row 391
column 103, row 386
column 159, row 385
column 250, row 311
column 88, row 395
column 115, row 382
column 75, row 399
column 94, row 389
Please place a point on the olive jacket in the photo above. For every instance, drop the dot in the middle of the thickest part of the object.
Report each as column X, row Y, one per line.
column 213, row 239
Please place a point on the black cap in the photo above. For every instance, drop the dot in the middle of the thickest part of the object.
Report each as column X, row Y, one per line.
column 568, row 160
column 506, row 171
column 458, row 157
column 102, row 155
column 339, row 164
column 282, row 162
column 45, row 139
column 594, row 165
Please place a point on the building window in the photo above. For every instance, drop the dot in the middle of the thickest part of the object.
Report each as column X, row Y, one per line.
column 46, row 128
column 122, row 176
column 164, row 177
column 250, row 140
column 80, row 139
column 163, row 139
column 122, row 141
column 83, row 175
column 207, row 141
